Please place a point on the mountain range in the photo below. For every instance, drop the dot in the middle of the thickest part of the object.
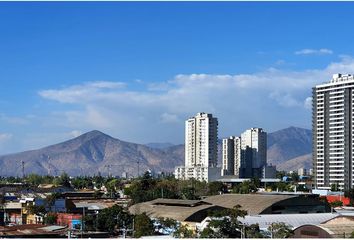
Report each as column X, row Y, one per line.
column 98, row 153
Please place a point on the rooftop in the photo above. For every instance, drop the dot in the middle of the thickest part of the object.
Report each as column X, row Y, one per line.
column 254, row 204
column 180, row 210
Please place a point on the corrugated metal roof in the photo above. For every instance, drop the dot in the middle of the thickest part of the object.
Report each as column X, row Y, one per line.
column 338, row 230
column 178, row 202
column 254, row 204
column 294, row 220
column 95, row 204
column 13, row 205
column 52, row 228
column 179, row 212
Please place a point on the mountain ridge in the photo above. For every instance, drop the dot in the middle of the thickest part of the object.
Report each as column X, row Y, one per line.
column 95, row 152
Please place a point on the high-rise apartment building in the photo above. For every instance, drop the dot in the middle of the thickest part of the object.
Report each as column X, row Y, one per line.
column 201, row 136
column 201, row 147
column 256, row 139
column 245, row 156
column 332, row 123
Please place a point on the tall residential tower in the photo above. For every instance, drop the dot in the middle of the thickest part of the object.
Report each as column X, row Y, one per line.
column 245, row 156
column 332, row 124
column 201, row 148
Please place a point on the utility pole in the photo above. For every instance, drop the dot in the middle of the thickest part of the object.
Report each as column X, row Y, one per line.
column 138, row 162
column 125, row 230
column 23, row 169
column 83, row 220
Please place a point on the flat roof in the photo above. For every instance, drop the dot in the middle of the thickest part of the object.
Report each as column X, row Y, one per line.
column 231, row 179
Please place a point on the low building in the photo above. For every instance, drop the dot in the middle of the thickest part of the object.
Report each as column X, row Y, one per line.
column 338, row 227
column 192, row 212
column 292, row 220
column 188, row 212
column 199, row 173
column 93, row 205
column 33, row 231
column 73, row 221
column 256, row 204
column 12, row 213
column 302, row 172
column 269, row 171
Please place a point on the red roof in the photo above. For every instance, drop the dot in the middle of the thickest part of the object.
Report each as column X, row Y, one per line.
column 333, row 198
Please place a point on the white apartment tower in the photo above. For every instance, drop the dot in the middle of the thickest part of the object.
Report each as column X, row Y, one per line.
column 245, row 156
column 332, row 123
column 231, row 156
column 201, row 148
column 256, row 140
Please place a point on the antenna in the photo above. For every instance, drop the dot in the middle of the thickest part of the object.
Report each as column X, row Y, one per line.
column 23, row 169
column 138, row 162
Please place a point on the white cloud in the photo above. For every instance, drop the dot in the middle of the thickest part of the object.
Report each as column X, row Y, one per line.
column 14, row 120
column 5, row 137
column 307, row 51
column 273, row 99
column 169, row 118
column 75, row 133
column 81, row 93
column 308, row 103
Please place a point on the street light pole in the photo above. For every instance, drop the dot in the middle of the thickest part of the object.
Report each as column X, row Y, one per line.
column 138, row 162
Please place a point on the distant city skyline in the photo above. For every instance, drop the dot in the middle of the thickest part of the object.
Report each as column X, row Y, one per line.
column 137, row 70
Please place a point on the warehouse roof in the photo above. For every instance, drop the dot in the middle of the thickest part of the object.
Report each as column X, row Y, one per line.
column 294, row 220
column 254, row 204
column 180, row 210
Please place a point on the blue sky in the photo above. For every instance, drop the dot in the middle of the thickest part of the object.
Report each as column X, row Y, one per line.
column 137, row 70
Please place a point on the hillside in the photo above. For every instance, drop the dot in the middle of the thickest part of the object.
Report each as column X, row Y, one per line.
column 289, row 144
column 89, row 154
column 95, row 152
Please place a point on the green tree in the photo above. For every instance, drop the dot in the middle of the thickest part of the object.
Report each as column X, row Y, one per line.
column 189, row 193
column 215, row 188
column 281, row 187
column 34, row 179
column 352, row 235
column 110, row 219
column 63, row 180
column 166, row 224
column 38, row 210
column 245, row 187
column 142, row 189
column 253, row 231
column 336, row 204
column 90, row 223
column 51, row 218
column 350, row 194
column 50, row 199
column 280, row 174
column 112, row 185
column 280, row 230
column 334, row 187
column 143, row 225
column 184, row 232
column 225, row 223
column 167, row 188
column 294, row 176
